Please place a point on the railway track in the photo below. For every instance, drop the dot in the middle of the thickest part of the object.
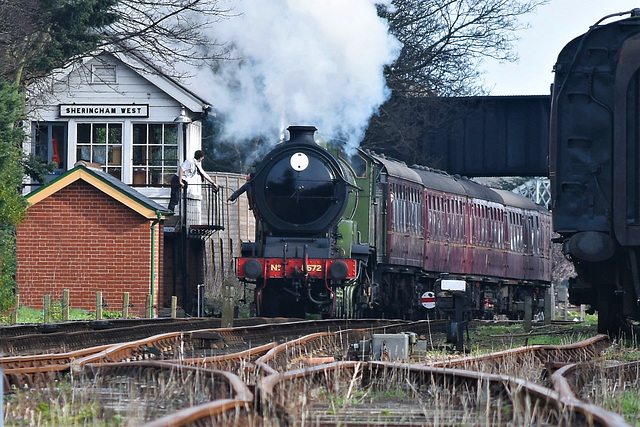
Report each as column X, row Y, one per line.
column 64, row 337
column 199, row 346
column 469, row 397
column 293, row 371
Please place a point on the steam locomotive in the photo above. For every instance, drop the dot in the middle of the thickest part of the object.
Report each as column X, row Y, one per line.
column 357, row 234
column 595, row 167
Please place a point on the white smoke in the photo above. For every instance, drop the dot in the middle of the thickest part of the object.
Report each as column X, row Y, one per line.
column 301, row 62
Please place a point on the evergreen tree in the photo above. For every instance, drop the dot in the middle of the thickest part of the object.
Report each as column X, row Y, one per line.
column 12, row 204
column 40, row 35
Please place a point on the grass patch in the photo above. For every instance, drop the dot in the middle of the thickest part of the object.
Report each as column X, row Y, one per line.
column 628, row 405
column 622, row 397
column 623, row 351
column 60, row 407
column 487, row 338
column 31, row 315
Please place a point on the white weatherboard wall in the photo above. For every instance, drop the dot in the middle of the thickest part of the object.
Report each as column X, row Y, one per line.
column 134, row 84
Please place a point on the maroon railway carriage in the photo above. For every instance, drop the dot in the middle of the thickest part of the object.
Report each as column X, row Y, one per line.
column 495, row 240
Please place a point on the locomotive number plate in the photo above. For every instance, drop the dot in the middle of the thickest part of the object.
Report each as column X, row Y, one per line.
column 314, row 268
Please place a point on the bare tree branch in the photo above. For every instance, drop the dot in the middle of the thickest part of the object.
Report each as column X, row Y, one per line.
column 444, row 43
column 37, row 36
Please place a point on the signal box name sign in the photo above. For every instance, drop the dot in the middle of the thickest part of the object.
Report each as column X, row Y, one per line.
column 104, row 110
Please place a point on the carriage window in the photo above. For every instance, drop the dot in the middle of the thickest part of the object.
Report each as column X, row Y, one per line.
column 429, row 215
column 447, row 218
column 500, row 243
column 480, row 225
column 519, row 234
column 496, row 229
column 531, row 235
column 403, row 209
column 473, row 225
column 537, row 241
column 415, row 219
column 460, row 222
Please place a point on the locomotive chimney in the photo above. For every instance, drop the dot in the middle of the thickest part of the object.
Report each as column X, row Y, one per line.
column 301, row 134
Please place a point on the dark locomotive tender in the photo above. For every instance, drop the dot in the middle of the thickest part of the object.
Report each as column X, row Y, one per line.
column 362, row 235
column 595, row 167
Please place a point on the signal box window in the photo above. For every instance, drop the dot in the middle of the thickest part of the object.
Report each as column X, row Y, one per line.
column 101, row 143
column 49, row 142
column 155, row 153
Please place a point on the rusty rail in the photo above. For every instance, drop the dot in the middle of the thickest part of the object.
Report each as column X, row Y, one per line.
column 276, row 389
column 229, row 392
column 562, row 385
column 218, row 412
column 31, row 371
column 588, row 349
column 304, row 350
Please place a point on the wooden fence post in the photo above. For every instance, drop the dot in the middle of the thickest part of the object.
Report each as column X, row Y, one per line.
column 98, row 305
column 148, row 307
column 65, row 305
column 14, row 313
column 47, row 308
column 125, row 305
column 227, row 305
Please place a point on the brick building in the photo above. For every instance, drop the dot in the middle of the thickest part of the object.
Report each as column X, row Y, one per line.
column 136, row 125
column 86, row 231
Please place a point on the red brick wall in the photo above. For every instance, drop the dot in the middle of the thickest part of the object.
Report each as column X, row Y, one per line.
column 83, row 240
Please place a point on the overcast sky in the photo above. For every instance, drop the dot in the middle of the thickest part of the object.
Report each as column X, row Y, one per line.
column 552, row 27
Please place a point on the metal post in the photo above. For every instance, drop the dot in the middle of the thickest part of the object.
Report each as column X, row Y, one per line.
column 65, row 305
column 548, row 306
column 552, row 302
column 457, row 327
column 1, row 397
column 185, row 254
column 98, row 305
column 153, row 257
column 200, row 300
column 528, row 312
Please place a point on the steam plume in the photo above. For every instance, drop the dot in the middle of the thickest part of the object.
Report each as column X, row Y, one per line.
column 313, row 62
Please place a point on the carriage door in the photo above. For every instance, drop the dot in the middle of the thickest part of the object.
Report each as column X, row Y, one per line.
column 50, row 142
